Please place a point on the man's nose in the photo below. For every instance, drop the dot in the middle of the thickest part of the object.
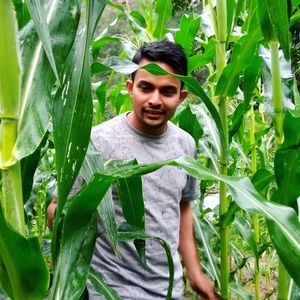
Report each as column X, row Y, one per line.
column 155, row 99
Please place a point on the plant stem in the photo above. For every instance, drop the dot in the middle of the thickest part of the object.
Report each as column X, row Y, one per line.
column 254, row 217
column 278, row 122
column 277, row 92
column 12, row 198
column 221, row 34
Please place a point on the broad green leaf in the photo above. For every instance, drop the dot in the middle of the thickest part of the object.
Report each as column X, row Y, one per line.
column 78, row 240
column 73, row 110
column 20, row 257
column 36, row 93
column 189, row 26
column 199, row 60
column 261, row 179
column 38, row 16
column 266, row 25
column 101, row 287
column 278, row 13
column 131, row 198
column 102, row 41
column 187, row 120
column 163, row 10
column 295, row 18
column 242, row 55
column 287, row 167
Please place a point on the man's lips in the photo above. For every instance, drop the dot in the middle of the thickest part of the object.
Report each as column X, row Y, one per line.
column 154, row 113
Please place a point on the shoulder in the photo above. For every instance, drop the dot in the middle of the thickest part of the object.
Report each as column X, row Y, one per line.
column 182, row 137
column 107, row 132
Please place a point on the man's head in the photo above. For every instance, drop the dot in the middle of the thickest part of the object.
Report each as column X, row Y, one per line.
column 165, row 52
column 155, row 98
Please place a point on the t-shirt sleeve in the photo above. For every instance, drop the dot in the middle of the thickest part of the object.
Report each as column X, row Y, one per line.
column 191, row 190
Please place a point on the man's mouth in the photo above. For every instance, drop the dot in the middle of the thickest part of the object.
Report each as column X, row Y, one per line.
column 154, row 113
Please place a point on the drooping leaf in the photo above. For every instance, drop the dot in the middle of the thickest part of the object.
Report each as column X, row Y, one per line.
column 189, row 26
column 127, row 233
column 36, row 93
column 101, row 287
column 18, row 258
column 163, row 10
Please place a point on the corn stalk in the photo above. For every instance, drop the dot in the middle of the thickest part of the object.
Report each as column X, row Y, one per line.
column 11, row 200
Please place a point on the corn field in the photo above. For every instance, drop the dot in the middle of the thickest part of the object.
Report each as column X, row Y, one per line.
column 63, row 70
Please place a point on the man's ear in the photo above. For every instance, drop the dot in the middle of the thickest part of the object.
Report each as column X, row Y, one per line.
column 183, row 95
column 129, row 85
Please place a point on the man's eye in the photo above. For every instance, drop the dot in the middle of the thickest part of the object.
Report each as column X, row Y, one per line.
column 145, row 88
column 168, row 91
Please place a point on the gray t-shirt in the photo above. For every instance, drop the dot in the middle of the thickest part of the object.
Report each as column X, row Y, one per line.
column 162, row 191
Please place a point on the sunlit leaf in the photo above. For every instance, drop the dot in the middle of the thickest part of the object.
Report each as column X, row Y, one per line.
column 189, row 26
column 163, row 10
column 36, row 93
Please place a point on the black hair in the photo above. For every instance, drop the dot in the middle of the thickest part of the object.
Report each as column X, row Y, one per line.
column 163, row 51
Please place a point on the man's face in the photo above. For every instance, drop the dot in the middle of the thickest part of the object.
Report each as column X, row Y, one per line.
column 154, row 99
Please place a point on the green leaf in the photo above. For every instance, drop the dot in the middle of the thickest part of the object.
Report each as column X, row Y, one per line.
column 20, row 257
column 102, row 41
column 131, row 199
column 278, row 13
column 78, row 240
column 23, row 15
column 39, row 18
column 287, row 167
column 73, row 111
column 36, row 93
column 163, row 10
column 266, row 26
column 244, row 228
column 199, row 60
column 127, row 233
column 189, row 26
column 187, row 120
column 92, row 164
column 202, row 232
column 101, row 287
column 242, row 55
column 261, row 179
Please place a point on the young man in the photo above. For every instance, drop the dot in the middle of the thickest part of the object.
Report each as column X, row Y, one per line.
column 147, row 135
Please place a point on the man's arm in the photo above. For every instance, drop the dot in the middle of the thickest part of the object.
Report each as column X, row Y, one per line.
column 51, row 212
column 187, row 246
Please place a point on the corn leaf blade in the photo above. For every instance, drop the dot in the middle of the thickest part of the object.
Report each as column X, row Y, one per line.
column 36, row 93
